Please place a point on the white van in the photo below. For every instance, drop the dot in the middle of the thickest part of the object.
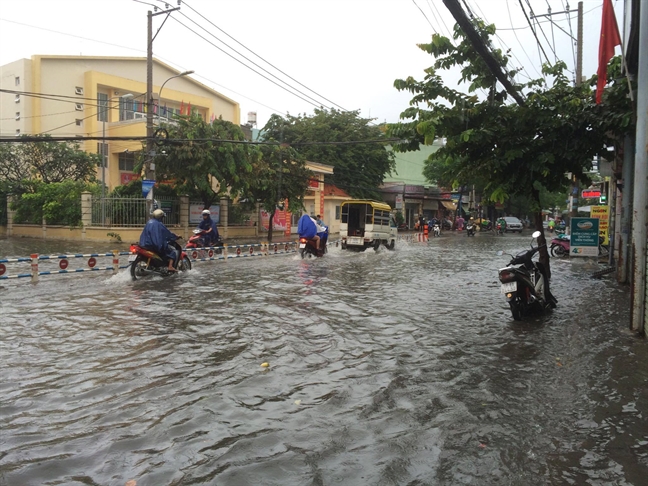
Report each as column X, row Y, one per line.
column 366, row 224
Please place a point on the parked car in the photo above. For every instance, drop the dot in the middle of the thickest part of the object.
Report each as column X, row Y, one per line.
column 513, row 224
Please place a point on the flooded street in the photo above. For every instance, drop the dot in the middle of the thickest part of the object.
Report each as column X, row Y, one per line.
column 388, row 368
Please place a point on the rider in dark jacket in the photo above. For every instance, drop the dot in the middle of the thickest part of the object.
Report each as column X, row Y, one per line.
column 208, row 225
column 156, row 237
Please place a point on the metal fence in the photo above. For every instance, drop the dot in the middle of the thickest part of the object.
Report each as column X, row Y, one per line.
column 131, row 211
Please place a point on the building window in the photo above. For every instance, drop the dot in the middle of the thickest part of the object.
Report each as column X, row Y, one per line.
column 105, row 152
column 127, row 161
column 126, row 109
column 78, row 106
column 102, row 107
column 17, row 131
column 78, row 90
column 337, row 213
column 17, row 99
column 79, row 122
column 17, row 115
column 17, row 80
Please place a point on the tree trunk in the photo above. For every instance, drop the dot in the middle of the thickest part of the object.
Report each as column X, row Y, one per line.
column 270, row 224
column 542, row 241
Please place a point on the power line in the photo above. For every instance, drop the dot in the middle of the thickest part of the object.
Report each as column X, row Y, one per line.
column 439, row 20
column 534, row 32
column 423, row 13
column 264, row 60
column 242, row 63
column 542, row 30
column 518, row 39
column 251, row 61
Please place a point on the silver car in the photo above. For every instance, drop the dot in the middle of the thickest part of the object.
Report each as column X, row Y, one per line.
column 513, row 224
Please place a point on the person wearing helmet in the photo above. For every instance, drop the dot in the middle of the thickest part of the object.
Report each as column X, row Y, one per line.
column 208, row 225
column 156, row 237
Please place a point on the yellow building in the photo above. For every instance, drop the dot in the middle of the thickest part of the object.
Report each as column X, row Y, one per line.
column 92, row 96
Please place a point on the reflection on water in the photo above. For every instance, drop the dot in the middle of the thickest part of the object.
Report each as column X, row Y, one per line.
column 399, row 367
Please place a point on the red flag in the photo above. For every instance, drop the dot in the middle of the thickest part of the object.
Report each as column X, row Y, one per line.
column 182, row 109
column 610, row 38
column 189, row 109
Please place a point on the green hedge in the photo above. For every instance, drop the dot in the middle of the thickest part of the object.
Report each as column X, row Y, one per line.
column 59, row 203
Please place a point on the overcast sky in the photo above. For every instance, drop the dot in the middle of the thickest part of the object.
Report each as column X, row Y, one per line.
column 347, row 51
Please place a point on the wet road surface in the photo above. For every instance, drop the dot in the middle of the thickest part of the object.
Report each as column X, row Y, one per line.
column 388, row 368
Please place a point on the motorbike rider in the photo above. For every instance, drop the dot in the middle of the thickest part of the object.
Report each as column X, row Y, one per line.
column 208, row 225
column 307, row 228
column 156, row 237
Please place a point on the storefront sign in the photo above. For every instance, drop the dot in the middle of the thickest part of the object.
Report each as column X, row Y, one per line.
column 603, row 214
column 584, row 237
column 279, row 220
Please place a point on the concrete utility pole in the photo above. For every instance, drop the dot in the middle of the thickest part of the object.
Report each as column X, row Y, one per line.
column 640, row 195
column 579, row 46
column 149, row 165
column 481, row 48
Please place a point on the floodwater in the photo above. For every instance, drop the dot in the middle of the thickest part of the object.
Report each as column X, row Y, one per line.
column 388, row 368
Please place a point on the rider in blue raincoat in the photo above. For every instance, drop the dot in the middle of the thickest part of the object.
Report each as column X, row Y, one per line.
column 307, row 228
column 156, row 237
column 208, row 225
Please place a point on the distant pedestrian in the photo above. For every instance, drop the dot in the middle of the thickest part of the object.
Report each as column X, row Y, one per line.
column 460, row 223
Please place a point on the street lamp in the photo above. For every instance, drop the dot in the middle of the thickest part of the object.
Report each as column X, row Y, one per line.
column 150, row 173
column 185, row 73
column 103, row 154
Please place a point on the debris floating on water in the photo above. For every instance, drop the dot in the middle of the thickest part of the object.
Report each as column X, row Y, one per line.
column 265, row 365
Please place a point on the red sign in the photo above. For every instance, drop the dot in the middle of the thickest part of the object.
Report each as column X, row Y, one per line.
column 127, row 177
column 313, row 183
column 210, row 253
column 63, row 264
column 238, row 251
column 92, row 262
column 251, row 250
column 3, row 269
column 590, row 193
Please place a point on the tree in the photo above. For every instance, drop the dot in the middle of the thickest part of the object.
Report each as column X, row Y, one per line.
column 46, row 161
column 280, row 175
column 203, row 166
column 359, row 167
column 512, row 149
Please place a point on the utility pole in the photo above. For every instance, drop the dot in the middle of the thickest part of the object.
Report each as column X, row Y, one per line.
column 640, row 195
column 579, row 46
column 573, row 187
column 150, row 153
column 484, row 52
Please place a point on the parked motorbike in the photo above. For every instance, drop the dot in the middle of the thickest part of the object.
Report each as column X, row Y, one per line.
column 525, row 284
column 486, row 225
column 144, row 263
column 470, row 228
column 447, row 225
column 199, row 240
column 308, row 246
column 560, row 246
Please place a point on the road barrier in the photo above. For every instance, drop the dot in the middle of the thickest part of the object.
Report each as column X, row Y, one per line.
column 62, row 262
column 46, row 265
column 413, row 237
column 202, row 254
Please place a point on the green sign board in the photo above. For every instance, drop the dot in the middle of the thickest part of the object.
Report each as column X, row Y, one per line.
column 584, row 237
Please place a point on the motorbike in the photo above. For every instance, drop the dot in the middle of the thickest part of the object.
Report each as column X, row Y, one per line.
column 199, row 240
column 447, row 225
column 525, row 284
column 144, row 262
column 308, row 246
column 498, row 229
column 436, row 229
column 486, row 225
column 470, row 228
column 560, row 246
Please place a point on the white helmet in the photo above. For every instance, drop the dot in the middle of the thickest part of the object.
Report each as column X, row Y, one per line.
column 158, row 214
column 206, row 211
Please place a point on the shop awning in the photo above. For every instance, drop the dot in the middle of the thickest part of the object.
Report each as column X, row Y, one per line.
column 449, row 205
column 430, row 204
